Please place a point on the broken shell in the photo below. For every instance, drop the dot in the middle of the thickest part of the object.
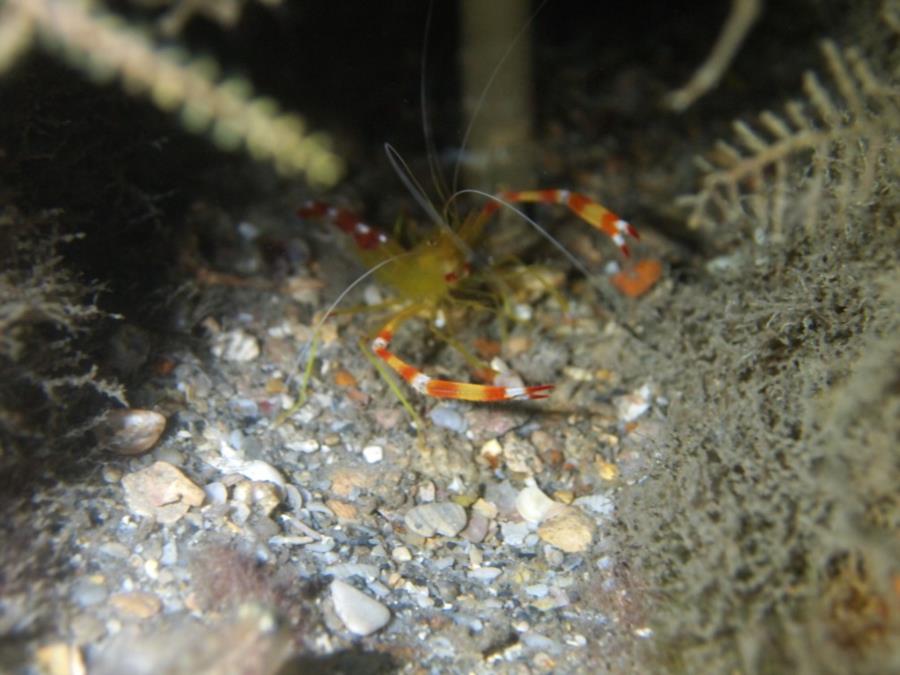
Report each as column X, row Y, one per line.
column 533, row 505
column 446, row 518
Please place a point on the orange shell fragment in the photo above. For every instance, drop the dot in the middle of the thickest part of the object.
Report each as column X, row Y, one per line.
column 638, row 279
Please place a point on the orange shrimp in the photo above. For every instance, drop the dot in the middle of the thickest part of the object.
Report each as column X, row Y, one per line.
column 426, row 276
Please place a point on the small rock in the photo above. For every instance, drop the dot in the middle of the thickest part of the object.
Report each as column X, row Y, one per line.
column 88, row 591
column 533, row 505
column 162, row 492
column 633, row 405
column 259, row 471
column 485, row 574
column 514, row 533
column 216, row 492
column 263, row 496
column 491, row 453
column 343, row 510
column 60, row 658
column 237, row 346
column 537, row 590
column 137, row 604
column 426, row 491
column 503, row 496
column 448, row 417
column 477, row 528
column 306, row 446
column 446, row 518
column 401, row 554
column 245, row 408
column 373, row 453
column 570, row 530
column 132, row 431
column 599, row 504
column 361, row 614
column 485, row 508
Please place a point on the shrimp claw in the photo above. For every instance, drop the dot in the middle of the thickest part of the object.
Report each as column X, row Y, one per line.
column 584, row 207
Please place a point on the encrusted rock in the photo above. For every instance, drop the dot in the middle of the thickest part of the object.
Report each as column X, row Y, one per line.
column 570, row 530
column 161, row 491
column 236, row 346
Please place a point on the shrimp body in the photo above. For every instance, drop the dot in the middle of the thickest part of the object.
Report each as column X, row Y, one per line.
column 425, row 276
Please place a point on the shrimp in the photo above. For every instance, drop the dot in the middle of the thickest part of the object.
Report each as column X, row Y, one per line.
column 430, row 275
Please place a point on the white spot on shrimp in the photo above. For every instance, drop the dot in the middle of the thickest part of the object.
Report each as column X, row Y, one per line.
column 382, row 238
column 515, row 392
column 440, row 319
column 619, row 239
column 362, row 228
column 622, row 226
column 522, row 312
column 562, row 196
column 420, row 382
column 379, row 343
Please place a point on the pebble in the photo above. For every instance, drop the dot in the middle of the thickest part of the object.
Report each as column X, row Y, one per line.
column 115, row 549
column 260, row 471
column 485, row 574
column 537, row 590
column 503, row 496
column 60, row 658
column 307, row 446
column 599, row 504
column 245, row 408
column 373, row 453
column 514, row 533
column 446, row 518
column 633, row 405
column 236, row 346
column 448, row 417
column 570, row 530
column 88, row 591
column 138, row 604
column 491, row 452
column 426, row 491
column 477, row 528
column 401, row 554
column 361, row 614
column 216, row 492
column 132, row 431
column 162, row 492
column 263, row 496
column 343, row 510
column 485, row 508
column 169, row 554
column 533, row 505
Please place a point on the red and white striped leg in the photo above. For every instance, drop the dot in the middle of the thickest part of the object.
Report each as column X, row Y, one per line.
column 584, row 207
column 449, row 388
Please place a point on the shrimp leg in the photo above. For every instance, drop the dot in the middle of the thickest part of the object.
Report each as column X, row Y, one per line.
column 446, row 388
column 584, row 207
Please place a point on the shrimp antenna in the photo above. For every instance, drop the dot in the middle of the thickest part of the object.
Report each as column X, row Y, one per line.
column 401, row 168
column 308, row 345
column 533, row 223
column 487, row 87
